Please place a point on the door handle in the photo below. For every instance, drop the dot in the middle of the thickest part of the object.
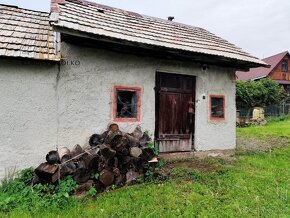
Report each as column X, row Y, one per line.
column 191, row 107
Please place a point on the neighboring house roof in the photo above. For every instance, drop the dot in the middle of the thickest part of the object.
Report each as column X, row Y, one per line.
column 99, row 20
column 27, row 34
column 262, row 72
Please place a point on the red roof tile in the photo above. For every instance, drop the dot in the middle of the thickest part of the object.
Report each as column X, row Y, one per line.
column 261, row 72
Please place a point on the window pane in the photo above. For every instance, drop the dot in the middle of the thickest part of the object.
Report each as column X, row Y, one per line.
column 217, row 107
column 285, row 66
column 127, row 104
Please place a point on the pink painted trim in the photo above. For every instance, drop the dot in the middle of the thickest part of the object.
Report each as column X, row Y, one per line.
column 224, row 104
column 127, row 88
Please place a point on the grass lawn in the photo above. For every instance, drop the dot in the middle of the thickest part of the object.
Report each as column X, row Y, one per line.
column 253, row 185
column 273, row 128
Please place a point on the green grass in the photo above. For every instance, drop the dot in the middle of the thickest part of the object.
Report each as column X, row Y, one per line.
column 274, row 128
column 254, row 185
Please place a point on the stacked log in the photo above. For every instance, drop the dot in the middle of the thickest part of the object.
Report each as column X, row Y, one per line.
column 114, row 157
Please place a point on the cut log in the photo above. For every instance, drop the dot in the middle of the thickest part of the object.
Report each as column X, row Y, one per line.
column 64, row 154
column 116, row 162
column 111, row 135
column 144, row 140
column 119, row 142
column 116, row 172
column 133, row 142
column 113, row 127
column 56, row 177
column 101, row 164
column 96, row 140
column 110, row 163
column 119, row 158
column 123, row 152
column 125, row 159
column 77, row 150
column 120, row 180
column 106, row 151
column 104, row 135
column 67, row 167
column 82, row 174
column 45, row 171
column 147, row 154
column 84, row 188
column 106, row 177
column 137, row 133
column 135, row 163
column 52, row 157
column 91, row 161
column 131, row 177
column 135, row 152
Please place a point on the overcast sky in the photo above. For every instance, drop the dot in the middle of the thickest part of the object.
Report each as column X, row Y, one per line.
column 260, row 27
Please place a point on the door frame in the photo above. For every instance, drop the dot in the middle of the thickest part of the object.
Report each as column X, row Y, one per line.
column 157, row 105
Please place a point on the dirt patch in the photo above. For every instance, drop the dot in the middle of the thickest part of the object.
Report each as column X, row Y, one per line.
column 192, row 164
column 261, row 144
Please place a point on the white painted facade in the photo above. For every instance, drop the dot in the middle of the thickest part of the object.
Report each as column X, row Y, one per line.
column 46, row 105
column 28, row 113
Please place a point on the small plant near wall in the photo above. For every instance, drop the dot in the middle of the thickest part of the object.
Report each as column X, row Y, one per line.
column 151, row 144
column 92, row 192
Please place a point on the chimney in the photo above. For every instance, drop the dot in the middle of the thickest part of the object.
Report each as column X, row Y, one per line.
column 170, row 18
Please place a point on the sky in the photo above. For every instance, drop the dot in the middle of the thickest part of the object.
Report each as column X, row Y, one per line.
column 260, row 27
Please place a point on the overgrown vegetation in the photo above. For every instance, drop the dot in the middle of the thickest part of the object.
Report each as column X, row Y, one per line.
column 18, row 195
column 253, row 185
column 260, row 93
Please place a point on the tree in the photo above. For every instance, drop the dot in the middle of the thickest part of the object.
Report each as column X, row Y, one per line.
column 260, row 93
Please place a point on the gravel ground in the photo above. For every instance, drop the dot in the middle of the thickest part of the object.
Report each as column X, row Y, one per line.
column 265, row 144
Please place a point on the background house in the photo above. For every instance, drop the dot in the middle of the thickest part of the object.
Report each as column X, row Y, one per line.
column 175, row 81
column 279, row 70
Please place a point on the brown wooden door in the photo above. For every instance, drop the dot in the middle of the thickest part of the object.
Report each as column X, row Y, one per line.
column 175, row 95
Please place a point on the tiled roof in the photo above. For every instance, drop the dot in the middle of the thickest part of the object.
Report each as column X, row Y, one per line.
column 262, row 72
column 91, row 18
column 27, row 34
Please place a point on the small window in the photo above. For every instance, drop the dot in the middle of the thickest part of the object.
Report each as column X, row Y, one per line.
column 285, row 65
column 217, row 107
column 127, row 104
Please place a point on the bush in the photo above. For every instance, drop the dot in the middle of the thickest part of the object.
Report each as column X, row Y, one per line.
column 260, row 93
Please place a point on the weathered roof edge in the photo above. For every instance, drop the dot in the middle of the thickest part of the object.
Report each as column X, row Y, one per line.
column 17, row 7
column 54, row 19
column 286, row 53
column 266, row 61
column 16, row 52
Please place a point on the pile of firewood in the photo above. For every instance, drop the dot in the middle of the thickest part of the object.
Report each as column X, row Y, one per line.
column 113, row 157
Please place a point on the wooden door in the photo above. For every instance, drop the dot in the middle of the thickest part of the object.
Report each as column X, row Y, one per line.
column 175, row 97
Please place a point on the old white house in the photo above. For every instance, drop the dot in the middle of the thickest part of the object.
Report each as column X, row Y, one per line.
column 67, row 74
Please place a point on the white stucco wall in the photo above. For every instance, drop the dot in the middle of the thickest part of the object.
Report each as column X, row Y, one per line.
column 28, row 113
column 43, row 106
column 85, row 93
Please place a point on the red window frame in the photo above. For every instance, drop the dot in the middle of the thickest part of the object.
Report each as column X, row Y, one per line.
column 224, row 103
column 127, row 88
